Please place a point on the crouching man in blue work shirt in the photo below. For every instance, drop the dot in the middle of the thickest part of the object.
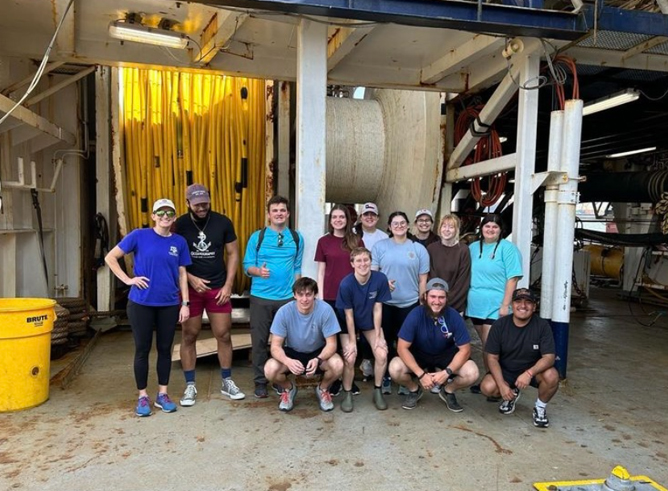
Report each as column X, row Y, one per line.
column 303, row 342
column 520, row 352
column 434, row 348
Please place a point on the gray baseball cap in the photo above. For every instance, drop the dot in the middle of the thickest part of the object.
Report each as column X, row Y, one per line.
column 438, row 284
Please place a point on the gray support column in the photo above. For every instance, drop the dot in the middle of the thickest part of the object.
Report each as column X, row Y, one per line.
column 103, row 175
column 311, row 130
column 283, row 185
column 527, row 122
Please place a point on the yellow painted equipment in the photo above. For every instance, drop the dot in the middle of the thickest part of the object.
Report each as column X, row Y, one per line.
column 25, row 351
column 618, row 480
column 606, row 261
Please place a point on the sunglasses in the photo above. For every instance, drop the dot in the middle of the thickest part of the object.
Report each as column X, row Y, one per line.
column 162, row 213
column 444, row 327
column 280, row 240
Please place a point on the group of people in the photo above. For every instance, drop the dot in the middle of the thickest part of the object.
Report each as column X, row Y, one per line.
column 399, row 299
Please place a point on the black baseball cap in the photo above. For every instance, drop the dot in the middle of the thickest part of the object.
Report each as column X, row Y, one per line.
column 524, row 294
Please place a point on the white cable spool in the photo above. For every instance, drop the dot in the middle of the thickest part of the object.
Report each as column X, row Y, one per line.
column 386, row 149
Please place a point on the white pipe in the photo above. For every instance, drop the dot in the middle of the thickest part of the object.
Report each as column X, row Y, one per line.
column 550, row 225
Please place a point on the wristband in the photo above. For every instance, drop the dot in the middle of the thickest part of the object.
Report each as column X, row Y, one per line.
column 423, row 374
column 530, row 374
column 185, row 303
column 319, row 360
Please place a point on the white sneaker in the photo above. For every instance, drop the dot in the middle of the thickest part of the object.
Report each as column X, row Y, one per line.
column 366, row 367
column 230, row 389
column 435, row 389
column 189, row 396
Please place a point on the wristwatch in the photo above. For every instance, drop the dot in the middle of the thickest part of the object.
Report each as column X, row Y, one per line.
column 448, row 371
column 185, row 303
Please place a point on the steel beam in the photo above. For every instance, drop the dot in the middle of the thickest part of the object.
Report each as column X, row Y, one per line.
column 217, row 33
column 484, row 168
column 30, row 118
column 449, row 14
column 632, row 21
column 60, row 85
column 342, row 41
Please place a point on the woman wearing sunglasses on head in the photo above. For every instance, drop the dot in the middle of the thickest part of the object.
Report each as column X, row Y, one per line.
column 158, row 297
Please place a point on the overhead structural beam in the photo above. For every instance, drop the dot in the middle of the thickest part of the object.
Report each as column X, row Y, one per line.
column 30, row 118
column 449, row 14
column 615, row 59
column 486, row 168
column 633, row 21
column 639, row 48
column 217, row 34
column 66, row 36
column 47, row 69
column 461, row 57
column 341, row 42
column 61, row 85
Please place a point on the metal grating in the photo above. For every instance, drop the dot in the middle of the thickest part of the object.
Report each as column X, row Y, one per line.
column 661, row 49
column 618, row 41
column 69, row 69
column 639, row 75
column 588, row 70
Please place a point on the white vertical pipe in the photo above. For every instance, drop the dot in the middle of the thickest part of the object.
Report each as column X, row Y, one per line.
column 311, row 131
column 550, row 225
column 567, row 200
column 527, row 123
column 284, row 122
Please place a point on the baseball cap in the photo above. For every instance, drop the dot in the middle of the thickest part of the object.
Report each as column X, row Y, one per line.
column 437, row 284
column 197, row 194
column 524, row 294
column 163, row 202
column 370, row 208
column 424, row 211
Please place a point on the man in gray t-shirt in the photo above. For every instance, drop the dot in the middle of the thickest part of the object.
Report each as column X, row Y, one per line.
column 304, row 343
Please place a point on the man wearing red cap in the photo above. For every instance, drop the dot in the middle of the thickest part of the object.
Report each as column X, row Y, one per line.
column 210, row 236
column 520, row 353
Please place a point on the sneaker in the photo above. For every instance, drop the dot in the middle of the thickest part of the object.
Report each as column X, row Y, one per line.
column 387, row 385
column 277, row 388
column 379, row 400
column 189, row 396
column 230, row 389
column 450, row 401
column 335, row 388
column 288, row 399
column 508, row 407
column 475, row 389
column 411, row 400
column 143, row 408
column 261, row 391
column 324, row 398
column 165, row 403
column 540, row 418
column 347, row 403
column 355, row 390
column 366, row 367
column 436, row 389
column 403, row 391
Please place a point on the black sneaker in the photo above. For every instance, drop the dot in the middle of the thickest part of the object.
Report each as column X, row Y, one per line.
column 450, row 401
column 278, row 389
column 475, row 389
column 335, row 388
column 355, row 390
column 540, row 418
column 261, row 391
column 508, row 407
column 411, row 400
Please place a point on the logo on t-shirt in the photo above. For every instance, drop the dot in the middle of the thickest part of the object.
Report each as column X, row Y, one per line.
column 373, row 295
column 173, row 251
column 535, row 346
column 202, row 245
column 411, row 255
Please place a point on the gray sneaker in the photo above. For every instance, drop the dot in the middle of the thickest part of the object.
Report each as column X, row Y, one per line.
column 230, row 389
column 288, row 399
column 189, row 396
column 387, row 385
column 324, row 398
column 403, row 391
column 436, row 389
column 411, row 400
column 508, row 407
column 450, row 401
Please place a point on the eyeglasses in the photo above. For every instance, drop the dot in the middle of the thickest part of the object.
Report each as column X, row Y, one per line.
column 398, row 224
column 280, row 240
column 440, row 321
column 162, row 213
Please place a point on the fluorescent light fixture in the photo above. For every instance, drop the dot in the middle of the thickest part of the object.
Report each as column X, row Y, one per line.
column 628, row 95
column 630, row 152
column 128, row 31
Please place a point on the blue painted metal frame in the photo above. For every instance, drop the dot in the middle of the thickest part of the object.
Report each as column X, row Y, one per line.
column 450, row 14
column 632, row 21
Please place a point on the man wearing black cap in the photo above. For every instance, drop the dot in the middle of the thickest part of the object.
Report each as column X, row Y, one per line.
column 210, row 236
column 520, row 352
column 434, row 349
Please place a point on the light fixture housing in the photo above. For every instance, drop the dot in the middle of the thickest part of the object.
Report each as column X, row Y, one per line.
column 630, row 152
column 138, row 33
column 614, row 100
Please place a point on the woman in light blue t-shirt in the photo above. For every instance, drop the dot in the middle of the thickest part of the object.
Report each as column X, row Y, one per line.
column 496, row 267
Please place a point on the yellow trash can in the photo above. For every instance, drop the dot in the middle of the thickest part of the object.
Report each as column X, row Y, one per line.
column 25, row 351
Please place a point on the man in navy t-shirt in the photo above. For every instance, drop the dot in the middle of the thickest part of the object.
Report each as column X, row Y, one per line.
column 361, row 296
column 434, row 349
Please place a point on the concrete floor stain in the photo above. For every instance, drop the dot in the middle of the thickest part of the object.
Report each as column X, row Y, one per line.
column 498, row 447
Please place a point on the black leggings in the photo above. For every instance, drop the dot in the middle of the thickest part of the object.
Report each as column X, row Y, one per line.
column 143, row 319
column 393, row 319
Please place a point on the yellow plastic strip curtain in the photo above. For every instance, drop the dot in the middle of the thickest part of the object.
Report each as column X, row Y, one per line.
column 181, row 128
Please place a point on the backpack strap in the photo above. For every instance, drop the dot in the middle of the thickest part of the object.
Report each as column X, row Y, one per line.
column 295, row 238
